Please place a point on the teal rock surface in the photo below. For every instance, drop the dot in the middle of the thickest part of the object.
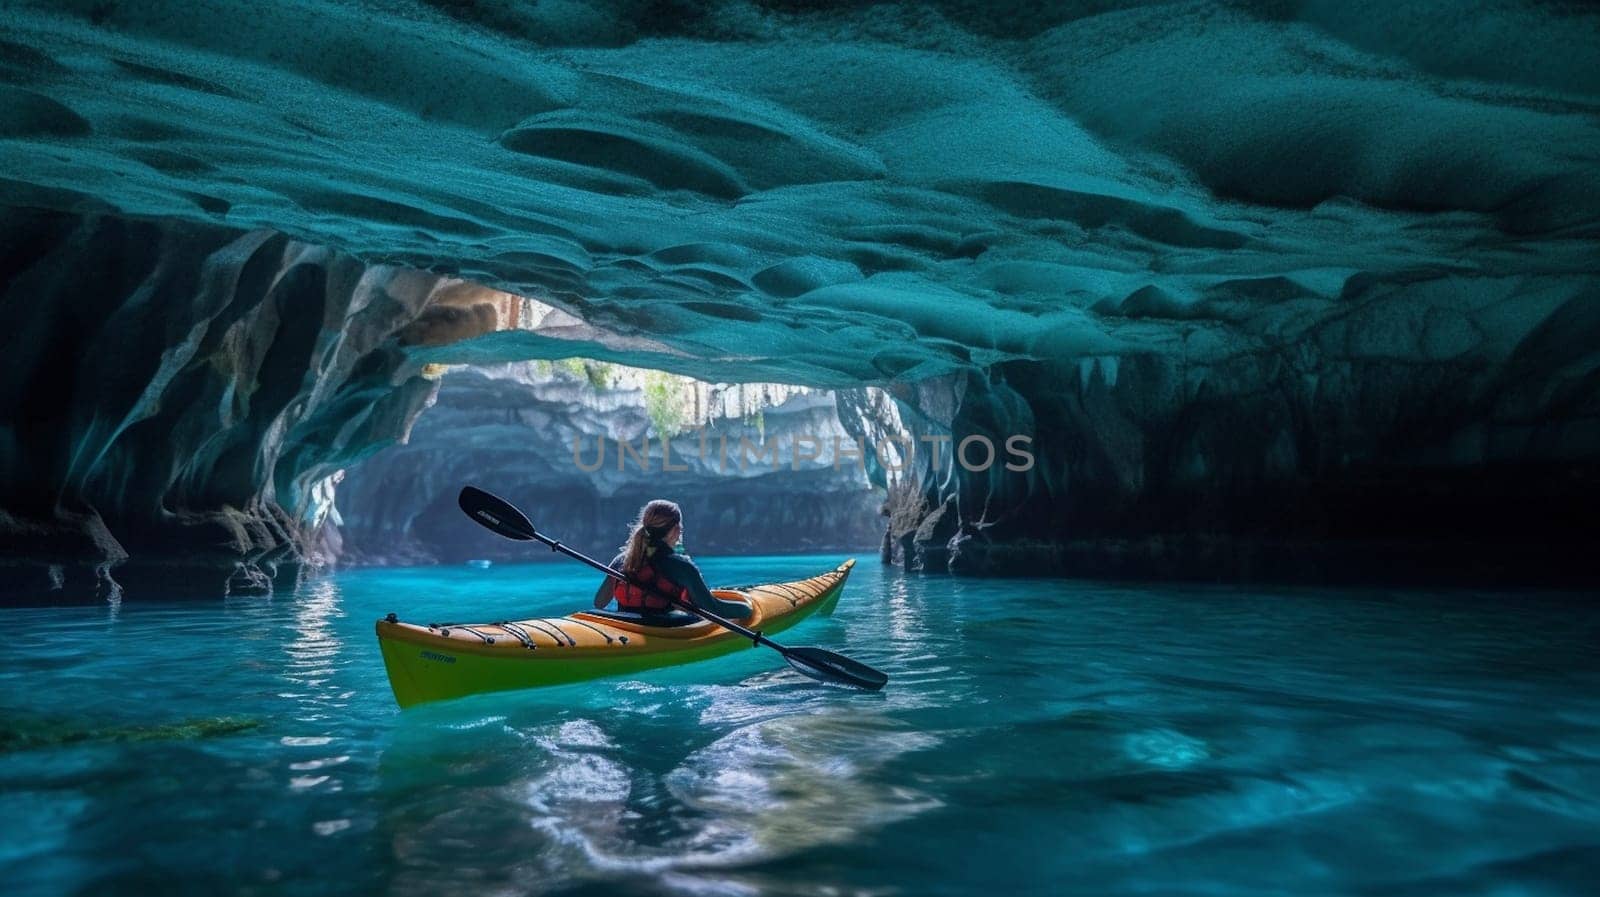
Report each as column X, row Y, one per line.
column 1282, row 289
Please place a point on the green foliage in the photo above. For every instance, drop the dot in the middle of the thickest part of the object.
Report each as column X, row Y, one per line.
column 663, row 401
column 599, row 373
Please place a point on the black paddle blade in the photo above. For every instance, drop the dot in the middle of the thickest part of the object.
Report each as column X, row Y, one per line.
column 826, row 666
column 496, row 513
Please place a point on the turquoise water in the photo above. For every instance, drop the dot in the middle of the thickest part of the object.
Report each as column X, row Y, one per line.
column 1037, row 737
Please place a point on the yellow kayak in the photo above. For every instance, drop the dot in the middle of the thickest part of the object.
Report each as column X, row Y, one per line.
column 441, row 661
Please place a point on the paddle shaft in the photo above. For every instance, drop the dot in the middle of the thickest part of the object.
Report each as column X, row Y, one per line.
column 751, row 634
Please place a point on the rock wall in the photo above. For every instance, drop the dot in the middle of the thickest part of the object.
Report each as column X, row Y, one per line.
column 511, row 429
column 181, row 392
column 1444, row 429
column 186, row 394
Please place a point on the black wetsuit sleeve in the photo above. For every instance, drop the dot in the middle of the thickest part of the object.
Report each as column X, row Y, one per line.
column 682, row 571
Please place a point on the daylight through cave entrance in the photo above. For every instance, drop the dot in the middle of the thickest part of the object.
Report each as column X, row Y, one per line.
column 581, row 444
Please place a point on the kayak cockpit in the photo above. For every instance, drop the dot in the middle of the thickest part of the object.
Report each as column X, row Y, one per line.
column 677, row 624
column 654, row 621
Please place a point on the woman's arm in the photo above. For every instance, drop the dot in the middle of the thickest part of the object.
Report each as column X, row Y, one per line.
column 686, row 574
column 602, row 595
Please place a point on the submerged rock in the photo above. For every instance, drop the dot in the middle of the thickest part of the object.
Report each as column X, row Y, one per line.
column 30, row 734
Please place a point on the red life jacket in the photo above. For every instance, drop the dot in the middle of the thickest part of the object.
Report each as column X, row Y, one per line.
column 633, row 599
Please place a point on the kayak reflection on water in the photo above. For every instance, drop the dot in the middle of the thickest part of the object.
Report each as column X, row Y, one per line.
column 650, row 559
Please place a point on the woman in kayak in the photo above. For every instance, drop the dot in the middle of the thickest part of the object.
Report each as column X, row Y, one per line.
column 648, row 557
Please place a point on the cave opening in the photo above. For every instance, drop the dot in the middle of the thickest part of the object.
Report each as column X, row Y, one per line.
column 582, row 444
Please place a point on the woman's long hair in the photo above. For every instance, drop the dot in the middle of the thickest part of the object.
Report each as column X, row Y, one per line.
column 656, row 519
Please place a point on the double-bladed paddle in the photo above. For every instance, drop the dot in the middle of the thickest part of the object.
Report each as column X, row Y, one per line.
column 501, row 516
